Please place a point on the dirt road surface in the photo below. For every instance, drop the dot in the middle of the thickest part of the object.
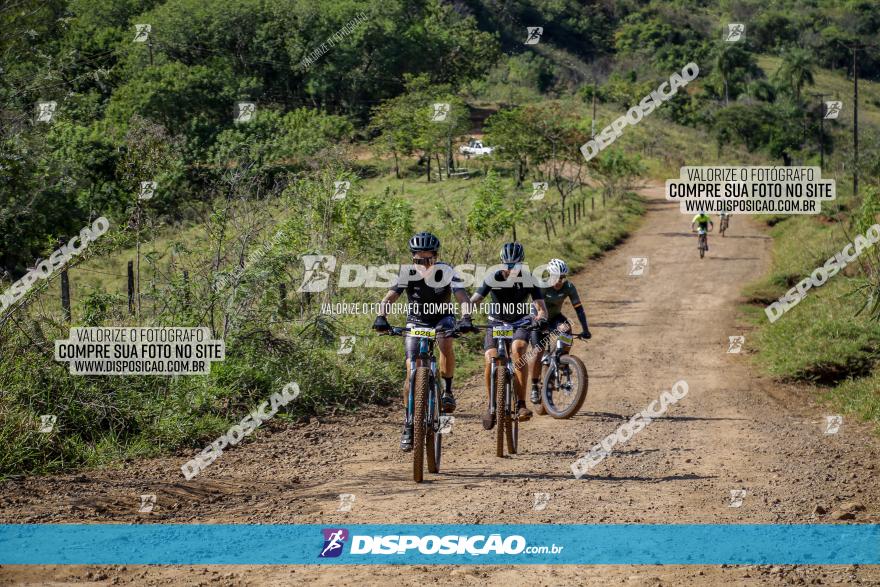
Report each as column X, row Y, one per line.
column 733, row 431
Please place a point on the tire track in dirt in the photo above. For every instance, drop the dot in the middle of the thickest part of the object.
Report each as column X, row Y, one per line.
column 734, row 430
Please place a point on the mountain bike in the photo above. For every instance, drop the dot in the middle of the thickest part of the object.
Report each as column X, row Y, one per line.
column 423, row 400
column 503, row 398
column 565, row 380
column 702, row 242
column 724, row 224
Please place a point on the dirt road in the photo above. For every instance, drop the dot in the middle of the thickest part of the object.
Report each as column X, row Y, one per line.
column 733, row 431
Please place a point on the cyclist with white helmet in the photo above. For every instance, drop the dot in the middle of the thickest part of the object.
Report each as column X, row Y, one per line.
column 554, row 297
column 511, row 291
column 428, row 290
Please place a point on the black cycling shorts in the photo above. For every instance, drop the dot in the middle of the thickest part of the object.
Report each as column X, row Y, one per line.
column 489, row 342
column 552, row 324
column 411, row 343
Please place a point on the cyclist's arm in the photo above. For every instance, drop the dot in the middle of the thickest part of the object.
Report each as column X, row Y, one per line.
column 538, row 302
column 385, row 304
column 460, row 293
column 464, row 300
column 578, row 308
column 481, row 293
column 541, row 307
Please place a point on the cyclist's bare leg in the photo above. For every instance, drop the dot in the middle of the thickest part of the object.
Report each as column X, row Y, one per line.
column 447, row 370
column 517, row 351
column 535, row 362
column 447, row 357
column 488, row 418
column 406, row 386
column 491, row 355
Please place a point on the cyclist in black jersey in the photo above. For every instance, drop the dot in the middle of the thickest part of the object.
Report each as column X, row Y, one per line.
column 510, row 290
column 429, row 288
column 554, row 298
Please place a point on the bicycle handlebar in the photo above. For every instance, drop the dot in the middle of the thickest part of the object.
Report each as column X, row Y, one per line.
column 402, row 331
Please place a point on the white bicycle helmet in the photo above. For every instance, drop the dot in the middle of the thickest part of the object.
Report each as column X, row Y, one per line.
column 557, row 267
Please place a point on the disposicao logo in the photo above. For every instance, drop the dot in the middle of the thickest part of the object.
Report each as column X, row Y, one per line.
column 334, row 541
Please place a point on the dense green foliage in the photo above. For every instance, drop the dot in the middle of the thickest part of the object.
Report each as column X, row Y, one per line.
column 345, row 90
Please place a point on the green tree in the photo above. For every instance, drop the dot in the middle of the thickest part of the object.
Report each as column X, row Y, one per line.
column 797, row 70
column 734, row 67
column 515, row 139
column 615, row 171
column 491, row 214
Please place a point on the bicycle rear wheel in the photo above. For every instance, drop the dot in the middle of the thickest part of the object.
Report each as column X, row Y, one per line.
column 419, row 418
column 511, row 421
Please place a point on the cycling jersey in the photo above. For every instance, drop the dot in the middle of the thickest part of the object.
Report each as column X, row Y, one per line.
column 425, row 300
column 509, row 297
column 702, row 220
column 555, row 298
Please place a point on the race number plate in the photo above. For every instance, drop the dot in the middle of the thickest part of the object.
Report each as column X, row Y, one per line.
column 502, row 332
column 423, row 332
column 565, row 338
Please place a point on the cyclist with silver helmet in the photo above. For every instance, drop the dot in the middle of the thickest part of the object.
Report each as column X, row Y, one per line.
column 554, row 298
column 510, row 289
column 429, row 287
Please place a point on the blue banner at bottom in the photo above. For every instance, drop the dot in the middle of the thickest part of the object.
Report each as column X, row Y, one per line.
column 639, row 544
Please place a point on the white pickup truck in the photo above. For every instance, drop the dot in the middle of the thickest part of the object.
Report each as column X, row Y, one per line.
column 475, row 148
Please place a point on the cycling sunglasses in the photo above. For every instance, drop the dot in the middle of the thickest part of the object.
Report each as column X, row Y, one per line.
column 424, row 261
column 512, row 265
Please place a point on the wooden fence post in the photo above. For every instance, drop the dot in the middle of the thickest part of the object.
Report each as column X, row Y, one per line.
column 65, row 294
column 131, row 287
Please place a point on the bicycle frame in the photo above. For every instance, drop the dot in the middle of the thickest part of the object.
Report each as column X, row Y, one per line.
column 561, row 348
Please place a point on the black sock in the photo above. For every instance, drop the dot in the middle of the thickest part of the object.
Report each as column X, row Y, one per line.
column 448, row 382
column 534, row 382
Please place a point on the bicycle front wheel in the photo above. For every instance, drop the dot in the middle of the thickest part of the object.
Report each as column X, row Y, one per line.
column 511, row 421
column 565, row 387
column 501, row 414
column 419, row 422
column 433, row 438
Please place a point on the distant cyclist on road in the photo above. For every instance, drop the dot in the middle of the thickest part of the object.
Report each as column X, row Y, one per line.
column 509, row 304
column 420, row 296
column 703, row 221
column 554, row 298
column 724, row 221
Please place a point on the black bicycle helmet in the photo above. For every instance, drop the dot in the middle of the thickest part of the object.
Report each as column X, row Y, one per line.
column 512, row 253
column 424, row 241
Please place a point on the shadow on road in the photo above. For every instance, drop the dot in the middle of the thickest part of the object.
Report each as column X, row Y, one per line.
column 685, row 477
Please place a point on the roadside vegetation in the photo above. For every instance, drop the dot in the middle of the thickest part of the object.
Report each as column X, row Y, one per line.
column 362, row 113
